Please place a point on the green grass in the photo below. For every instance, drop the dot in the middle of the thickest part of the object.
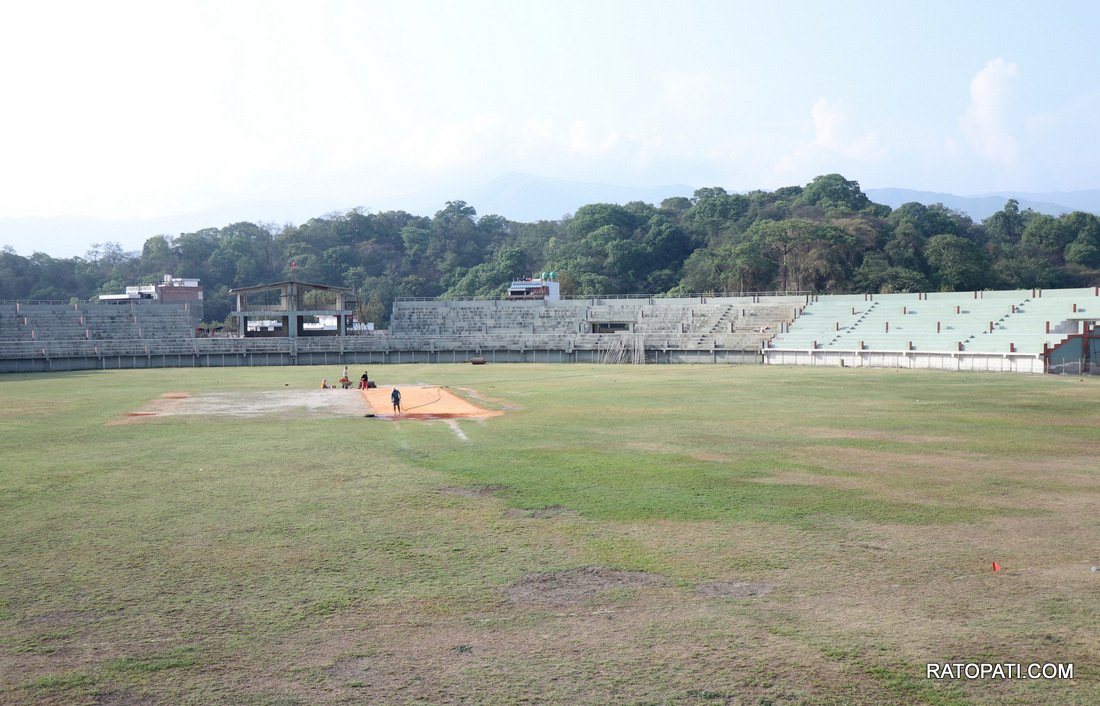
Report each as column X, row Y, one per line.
column 296, row 558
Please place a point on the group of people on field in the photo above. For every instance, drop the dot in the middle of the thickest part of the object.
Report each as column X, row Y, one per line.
column 365, row 384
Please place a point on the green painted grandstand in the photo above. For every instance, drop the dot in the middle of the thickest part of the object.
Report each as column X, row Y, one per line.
column 1016, row 321
column 1017, row 325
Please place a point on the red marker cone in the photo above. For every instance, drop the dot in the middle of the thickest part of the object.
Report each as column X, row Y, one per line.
column 996, row 566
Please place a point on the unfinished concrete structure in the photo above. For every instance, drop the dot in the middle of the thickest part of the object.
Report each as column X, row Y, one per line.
column 293, row 309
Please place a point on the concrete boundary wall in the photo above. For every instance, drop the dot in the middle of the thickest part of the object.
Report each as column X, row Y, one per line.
column 211, row 358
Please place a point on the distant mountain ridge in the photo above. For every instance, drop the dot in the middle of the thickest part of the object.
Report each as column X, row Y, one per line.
column 528, row 198
column 980, row 207
column 534, row 198
column 516, row 196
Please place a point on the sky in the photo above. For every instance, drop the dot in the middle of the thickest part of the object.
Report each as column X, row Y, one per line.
column 172, row 113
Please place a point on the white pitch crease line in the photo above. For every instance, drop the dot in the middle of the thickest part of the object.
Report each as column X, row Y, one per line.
column 457, row 430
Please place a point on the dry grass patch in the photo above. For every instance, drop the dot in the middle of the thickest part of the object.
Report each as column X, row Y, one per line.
column 813, row 479
column 659, row 648
column 542, row 513
column 733, row 589
column 873, row 435
column 574, row 586
column 474, row 491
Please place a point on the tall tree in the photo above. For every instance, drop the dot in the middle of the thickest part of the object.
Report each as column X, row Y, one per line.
column 957, row 263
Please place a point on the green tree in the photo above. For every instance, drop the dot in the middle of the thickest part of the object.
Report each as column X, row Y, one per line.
column 1048, row 235
column 957, row 263
column 876, row 274
column 813, row 256
column 834, row 194
column 1084, row 249
column 17, row 277
column 1026, row 271
column 906, row 248
column 936, row 219
column 593, row 217
column 715, row 214
column 157, row 255
column 1006, row 225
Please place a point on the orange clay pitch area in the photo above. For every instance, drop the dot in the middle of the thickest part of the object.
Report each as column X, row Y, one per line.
column 417, row 402
column 424, row 403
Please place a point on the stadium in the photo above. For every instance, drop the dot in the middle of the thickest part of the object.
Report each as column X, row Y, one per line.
column 1020, row 331
column 798, row 499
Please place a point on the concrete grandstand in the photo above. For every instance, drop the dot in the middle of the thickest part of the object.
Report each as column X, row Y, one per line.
column 1010, row 331
column 1027, row 331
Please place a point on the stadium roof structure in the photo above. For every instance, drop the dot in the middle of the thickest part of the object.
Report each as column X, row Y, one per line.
column 287, row 307
column 278, row 285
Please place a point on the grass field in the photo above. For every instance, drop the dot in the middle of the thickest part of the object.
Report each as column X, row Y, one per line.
column 637, row 535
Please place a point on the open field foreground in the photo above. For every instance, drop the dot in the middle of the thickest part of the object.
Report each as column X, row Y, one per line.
column 635, row 535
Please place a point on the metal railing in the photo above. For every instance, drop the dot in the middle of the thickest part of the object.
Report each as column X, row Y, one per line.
column 340, row 344
column 581, row 297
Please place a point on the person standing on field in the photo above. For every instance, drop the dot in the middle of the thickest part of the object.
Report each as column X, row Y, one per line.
column 395, row 397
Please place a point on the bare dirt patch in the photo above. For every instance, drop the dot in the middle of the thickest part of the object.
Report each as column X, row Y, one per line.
column 417, row 402
column 733, row 589
column 474, row 491
column 573, row 586
column 116, row 698
column 317, row 403
column 62, row 619
column 543, row 513
column 710, row 457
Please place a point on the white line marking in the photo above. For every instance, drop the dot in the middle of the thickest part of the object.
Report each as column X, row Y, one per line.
column 455, row 428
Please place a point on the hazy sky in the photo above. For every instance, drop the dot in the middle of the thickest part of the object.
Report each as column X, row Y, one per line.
column 142, row 110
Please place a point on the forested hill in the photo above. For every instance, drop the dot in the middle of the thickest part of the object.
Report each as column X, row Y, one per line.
column 826, row 236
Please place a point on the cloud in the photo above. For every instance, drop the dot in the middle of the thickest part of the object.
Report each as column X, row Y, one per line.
column 693, row 95
column 829, row 133
column 832, row 142
column 827, row 120
column 586, row 141
column 984, row 122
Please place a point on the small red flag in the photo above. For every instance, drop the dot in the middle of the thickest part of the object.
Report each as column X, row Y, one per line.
column 996, row 566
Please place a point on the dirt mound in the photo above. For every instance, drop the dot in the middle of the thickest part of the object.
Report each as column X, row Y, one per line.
column 572, row 586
